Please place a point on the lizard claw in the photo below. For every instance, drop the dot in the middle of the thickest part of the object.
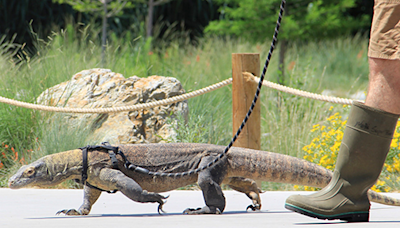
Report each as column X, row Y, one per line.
column 160, row 209
column 69, row 212
column 189, row 211
column 204, row 210
column 253, row 207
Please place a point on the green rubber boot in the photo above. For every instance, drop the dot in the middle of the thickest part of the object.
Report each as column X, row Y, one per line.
column 366, row 142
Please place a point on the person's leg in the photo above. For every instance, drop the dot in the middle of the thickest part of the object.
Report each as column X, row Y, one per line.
column 384, row 85
column 369, row 129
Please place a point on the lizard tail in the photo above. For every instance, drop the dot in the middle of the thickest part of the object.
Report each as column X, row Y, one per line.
column 382, row 199
column 273, row 167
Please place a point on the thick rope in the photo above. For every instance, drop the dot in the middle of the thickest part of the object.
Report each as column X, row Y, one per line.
column 153, row 104
column 186, row 96
column 298, row 92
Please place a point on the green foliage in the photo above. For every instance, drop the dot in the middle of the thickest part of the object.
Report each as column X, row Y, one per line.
column 57, row 134
column 202, row 125
column 96, row 6
column 342, row 61
column 303, row 20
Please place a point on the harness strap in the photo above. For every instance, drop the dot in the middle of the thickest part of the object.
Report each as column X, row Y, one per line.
column 84, row 164
column 112, row 152
column 113, row 157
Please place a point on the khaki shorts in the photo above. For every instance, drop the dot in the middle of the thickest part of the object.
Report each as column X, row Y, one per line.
column 384, row 42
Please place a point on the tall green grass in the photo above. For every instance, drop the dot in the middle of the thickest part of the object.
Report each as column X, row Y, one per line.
column 338, row 65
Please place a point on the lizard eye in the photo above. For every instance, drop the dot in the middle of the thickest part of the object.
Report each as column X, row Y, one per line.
column 29, row 172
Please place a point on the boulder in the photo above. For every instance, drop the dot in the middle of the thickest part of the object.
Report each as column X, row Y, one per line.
column 102, row 88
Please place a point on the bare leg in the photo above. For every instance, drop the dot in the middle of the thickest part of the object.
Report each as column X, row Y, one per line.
column 384, row 85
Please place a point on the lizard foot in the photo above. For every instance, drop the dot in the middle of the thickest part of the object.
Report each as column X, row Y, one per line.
column 204, row 210
column 160, row 209
column 160, row 205
column 69, row 212
column 255, row 207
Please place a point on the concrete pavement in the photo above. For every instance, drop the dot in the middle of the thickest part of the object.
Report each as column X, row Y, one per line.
column 37, row 207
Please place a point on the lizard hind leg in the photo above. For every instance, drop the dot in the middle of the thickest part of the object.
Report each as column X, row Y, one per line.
column 248, row 187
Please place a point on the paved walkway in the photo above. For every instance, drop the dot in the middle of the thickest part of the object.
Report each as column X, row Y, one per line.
column 37, row 207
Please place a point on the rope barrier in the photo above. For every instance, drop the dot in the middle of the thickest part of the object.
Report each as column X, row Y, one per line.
column 298, row 92
column 153, row 104
column 186, row 96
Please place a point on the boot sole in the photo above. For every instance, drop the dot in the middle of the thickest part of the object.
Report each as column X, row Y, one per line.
column 359, row 216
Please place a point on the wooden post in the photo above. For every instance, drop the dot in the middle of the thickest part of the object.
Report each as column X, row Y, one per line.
column 242, row 95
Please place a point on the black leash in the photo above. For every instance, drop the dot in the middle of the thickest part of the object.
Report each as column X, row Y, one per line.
column 139, row 169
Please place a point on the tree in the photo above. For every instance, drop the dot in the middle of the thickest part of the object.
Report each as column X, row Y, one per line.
column 183, row 21
column 150, row 15
column 304, row 20
column 104, row 8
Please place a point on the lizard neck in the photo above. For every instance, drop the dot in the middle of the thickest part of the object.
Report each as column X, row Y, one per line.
column 64, row 166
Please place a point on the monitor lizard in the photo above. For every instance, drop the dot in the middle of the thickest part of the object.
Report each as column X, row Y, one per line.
column 239, row 169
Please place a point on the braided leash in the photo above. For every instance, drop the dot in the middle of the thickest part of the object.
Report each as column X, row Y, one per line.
column 135, row 168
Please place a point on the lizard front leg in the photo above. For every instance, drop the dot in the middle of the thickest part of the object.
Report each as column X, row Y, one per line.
column 115, row 179
column 209, row 181
column 248, row 187
column 90, row 196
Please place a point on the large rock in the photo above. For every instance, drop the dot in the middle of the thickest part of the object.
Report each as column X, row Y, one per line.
column 101, row 88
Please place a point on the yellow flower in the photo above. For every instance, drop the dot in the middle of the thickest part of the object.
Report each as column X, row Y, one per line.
column 394, row 142
column 375, row 189
column 308, row 158
column 389, row 168
column 379, row 182
column 315, row 127
column 315, row 140
column 335, row 147
column 322, row 161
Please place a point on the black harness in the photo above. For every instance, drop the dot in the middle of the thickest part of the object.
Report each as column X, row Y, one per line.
column 112, row 152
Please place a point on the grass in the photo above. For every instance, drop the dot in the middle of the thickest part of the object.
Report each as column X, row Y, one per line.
column 338, row 65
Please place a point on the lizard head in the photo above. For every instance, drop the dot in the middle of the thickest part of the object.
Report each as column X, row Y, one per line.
column 34, row 174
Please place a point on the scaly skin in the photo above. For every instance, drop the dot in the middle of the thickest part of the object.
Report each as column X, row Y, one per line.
column 239, row 169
